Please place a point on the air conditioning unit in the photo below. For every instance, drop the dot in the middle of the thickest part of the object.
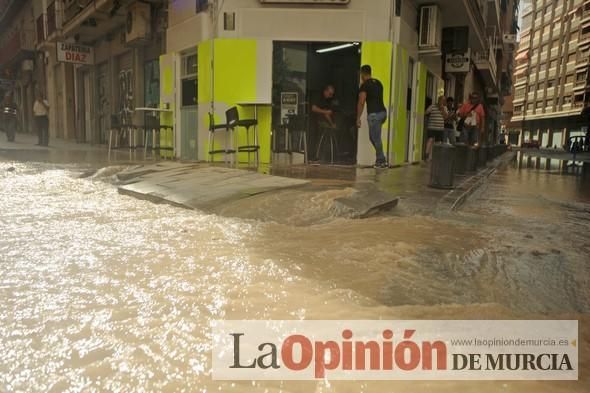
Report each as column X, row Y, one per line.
column 138, row 30
column 430, row 30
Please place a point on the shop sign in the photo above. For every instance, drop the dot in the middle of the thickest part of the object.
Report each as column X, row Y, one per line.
column 457, row 62
column 74, row 53
column 289, row 104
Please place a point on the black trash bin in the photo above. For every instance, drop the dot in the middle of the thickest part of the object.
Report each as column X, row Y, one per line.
column 473, row 159
column 442, row 172
column 492, row 152
column 461, row 159
column 482, row 156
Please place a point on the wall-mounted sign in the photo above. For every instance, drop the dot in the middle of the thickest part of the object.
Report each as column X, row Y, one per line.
column 457, row 62
column 289, row 104
column 74, row 53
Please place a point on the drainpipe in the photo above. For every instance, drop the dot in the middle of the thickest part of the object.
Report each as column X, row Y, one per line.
column 214, row 15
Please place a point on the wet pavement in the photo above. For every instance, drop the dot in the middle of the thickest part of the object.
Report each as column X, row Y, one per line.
column 105, row 292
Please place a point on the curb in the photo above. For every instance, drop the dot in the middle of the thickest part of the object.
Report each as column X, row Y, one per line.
column 454, row 199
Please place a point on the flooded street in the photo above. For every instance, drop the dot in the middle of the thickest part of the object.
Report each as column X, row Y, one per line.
column 104, row 292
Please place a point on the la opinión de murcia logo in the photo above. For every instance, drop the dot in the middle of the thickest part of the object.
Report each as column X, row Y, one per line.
column 387, row 355
column 429, row 350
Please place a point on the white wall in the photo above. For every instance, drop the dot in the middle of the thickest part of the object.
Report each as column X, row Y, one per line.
column 360, row 20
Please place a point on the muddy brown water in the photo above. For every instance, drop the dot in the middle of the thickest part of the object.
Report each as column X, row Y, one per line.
column 103, row 292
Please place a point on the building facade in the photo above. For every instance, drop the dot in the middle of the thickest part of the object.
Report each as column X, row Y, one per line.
column 551, row 75
column 193, row 58
column 17, row 56
column 246, row 53
column 92, row 59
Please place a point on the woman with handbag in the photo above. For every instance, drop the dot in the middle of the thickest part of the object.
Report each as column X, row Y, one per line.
column 472, row 119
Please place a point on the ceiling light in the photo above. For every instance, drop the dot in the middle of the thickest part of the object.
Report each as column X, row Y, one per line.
column 337, row 47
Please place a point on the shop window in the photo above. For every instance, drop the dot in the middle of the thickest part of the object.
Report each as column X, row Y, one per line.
column 189, row 80
column 152, row 83
column 544, row 48
column 571, row 57
column 189, row 65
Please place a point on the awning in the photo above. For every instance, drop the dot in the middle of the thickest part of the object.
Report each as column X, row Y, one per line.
column 522, row 56
column 576, row 9
column 522, row 71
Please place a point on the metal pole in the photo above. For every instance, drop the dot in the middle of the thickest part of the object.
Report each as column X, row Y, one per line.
column 393, row 86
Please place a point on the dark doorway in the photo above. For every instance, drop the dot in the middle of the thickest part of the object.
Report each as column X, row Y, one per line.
column 307, row 69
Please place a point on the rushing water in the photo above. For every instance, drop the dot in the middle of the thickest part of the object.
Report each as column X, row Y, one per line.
column 103, row 292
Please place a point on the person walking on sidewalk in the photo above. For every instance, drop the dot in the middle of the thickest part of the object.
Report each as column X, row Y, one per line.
column 8, row 117
column 472, row 121
column 371, row 94
column 438, row 116
column 41, row 113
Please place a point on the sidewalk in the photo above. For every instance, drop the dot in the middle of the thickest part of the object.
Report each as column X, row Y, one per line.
column 557, row 154
column 198, row 186
column 345, row 191
column 62, row 151
column 213, row 187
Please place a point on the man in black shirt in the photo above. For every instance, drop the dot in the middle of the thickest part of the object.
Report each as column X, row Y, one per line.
column 371, row 93
column 323, row 107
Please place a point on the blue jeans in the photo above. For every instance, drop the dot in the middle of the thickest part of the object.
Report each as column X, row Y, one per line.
column 376, row 121
column 470, row 135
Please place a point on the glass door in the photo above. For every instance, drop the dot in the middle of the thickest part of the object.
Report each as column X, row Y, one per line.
column 188, row 107
column 411, row 110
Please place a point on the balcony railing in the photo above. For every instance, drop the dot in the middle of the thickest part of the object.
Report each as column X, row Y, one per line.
column 40, row 26
column 487, row 58
column 52, row 22
column 21, row 41
column 8, row 7
column 74, row 7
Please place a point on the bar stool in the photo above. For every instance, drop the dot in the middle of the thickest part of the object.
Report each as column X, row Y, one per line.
column 152, row 128
column 115, row 128
column 327, row 134
column 229, row 148
column 132, row 131
column 233, row 122
column 294, row 125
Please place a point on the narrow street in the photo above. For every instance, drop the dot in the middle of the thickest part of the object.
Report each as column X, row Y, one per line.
column 294, row 196
column 112, row 293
